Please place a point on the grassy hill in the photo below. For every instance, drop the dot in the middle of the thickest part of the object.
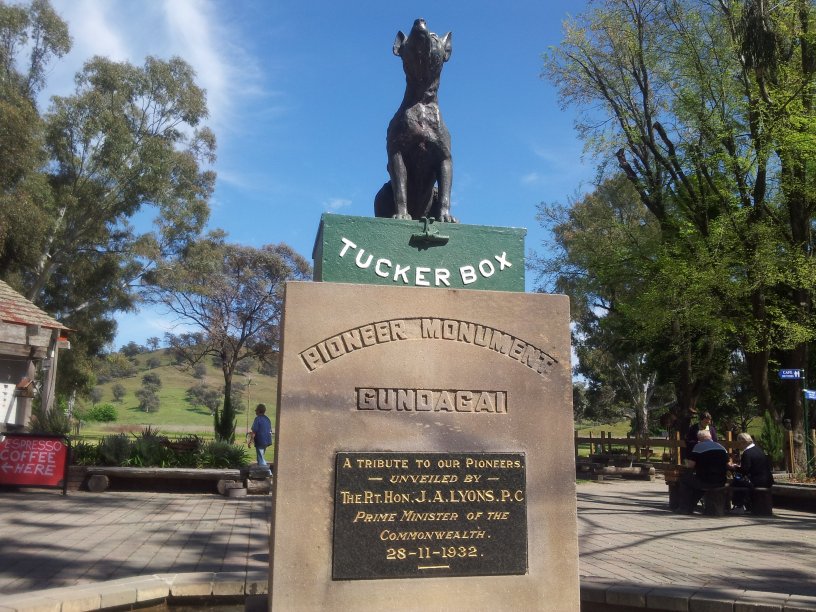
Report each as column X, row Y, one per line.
column 176, row 416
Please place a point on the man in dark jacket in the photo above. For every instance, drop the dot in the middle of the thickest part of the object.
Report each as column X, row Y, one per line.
column 709, row 461
column 753, row 470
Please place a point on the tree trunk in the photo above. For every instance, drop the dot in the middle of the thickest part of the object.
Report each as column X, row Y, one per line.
column 758, row 370
column 225, row 422
column 796, row 359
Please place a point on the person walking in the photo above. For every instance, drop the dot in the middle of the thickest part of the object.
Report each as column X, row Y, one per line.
column 261, row 434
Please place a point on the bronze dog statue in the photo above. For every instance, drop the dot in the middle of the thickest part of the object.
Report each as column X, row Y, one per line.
column 418, row 143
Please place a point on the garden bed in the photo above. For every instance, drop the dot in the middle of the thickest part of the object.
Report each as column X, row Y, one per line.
column 791, row 493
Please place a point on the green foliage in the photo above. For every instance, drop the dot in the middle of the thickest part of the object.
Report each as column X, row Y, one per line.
column 114, row 366
column 772, row 440
column 224, row 421
column 118, row 390
column 201, row 394
column 101, row 413
column 129, row 139
column 706, row 109
column 54, row 421
column 221, row 455
column 148, row 394
column 115, row 450
column 131, row 349
column 85, row 453
column 233, row 295
column 148, row 399
column 152, row 380
column 149, row 448
column 151, row 451
column 178, row 414
column 186, row 450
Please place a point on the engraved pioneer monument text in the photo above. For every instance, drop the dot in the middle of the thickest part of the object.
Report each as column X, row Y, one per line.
column 428, row 328
column 415, row 515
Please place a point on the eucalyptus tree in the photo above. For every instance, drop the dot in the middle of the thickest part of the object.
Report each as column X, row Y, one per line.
column 634, row 334
column 706, row 106
column 128, row 140
column 229, row 299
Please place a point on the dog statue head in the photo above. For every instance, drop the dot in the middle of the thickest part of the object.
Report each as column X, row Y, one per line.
column 423, row 53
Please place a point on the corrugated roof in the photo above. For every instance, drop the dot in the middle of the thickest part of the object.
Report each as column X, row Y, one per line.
column 14, row 308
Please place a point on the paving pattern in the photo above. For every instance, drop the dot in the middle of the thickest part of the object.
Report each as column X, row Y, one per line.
column 47, row 540
column 627, row 536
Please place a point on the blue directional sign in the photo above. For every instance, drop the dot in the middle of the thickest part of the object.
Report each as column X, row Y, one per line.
column 810, row 394
column 790, row 374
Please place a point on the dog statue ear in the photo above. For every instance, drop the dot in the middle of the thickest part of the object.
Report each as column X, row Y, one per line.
column 398, row 42
column 447, row 41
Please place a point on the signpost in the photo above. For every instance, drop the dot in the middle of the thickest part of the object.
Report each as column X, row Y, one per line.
column 790, row 374
column 797, row 374
column 34, row 460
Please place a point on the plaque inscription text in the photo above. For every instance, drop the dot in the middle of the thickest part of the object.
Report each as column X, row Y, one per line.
column 414, row 515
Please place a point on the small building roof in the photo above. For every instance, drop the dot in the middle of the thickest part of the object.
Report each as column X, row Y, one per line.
column 14, row 308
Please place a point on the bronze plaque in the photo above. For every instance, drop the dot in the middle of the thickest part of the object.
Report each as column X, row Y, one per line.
column 423, row 515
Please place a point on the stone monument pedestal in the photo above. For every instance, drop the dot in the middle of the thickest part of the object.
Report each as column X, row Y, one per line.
column 424, row 451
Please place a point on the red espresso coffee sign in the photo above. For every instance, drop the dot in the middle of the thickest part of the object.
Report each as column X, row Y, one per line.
column 33, row 460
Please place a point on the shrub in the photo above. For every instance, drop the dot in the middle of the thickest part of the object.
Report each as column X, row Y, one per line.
column 55, row 421
column 149, row 451
column 148, row 399
column 772, row 440
column 115, row 449
column 185, row 450
column 131, row 349
column 221, row 455
column 95, row 395
column 84, row 453
column 152, row 380
column 102, row 413
column 119, row 391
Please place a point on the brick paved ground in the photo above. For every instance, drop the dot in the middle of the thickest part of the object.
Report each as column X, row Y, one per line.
column 626, row 534
column 47, row 540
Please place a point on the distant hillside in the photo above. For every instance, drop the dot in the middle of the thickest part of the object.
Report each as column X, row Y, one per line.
column 176, row 415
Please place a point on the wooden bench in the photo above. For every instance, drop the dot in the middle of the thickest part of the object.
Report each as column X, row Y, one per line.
column 717, row 502
column 98, row 478
column 597, row 471
column 762, row 501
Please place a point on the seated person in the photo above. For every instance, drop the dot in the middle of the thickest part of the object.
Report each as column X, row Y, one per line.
column 753, row 470
column 709, row 461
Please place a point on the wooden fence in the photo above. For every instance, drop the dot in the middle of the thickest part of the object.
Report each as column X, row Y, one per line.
column 644, row 447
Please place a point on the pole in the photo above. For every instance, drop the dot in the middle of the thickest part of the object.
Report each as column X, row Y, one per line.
column 248, row 402
column 806, row 419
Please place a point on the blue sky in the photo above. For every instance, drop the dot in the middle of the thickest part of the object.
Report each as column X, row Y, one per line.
column 301, row 93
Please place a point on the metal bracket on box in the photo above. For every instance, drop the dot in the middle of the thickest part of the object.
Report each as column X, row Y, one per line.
column 429, row 237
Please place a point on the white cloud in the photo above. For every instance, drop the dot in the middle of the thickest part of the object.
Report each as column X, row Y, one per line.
column 531, row 178
column 93, row 31
column 336, row 203
column 194, row 30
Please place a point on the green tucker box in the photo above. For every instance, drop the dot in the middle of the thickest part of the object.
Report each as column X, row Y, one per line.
column 370, row 250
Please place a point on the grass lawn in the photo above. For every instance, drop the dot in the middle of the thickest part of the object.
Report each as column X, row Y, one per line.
column 176, row 416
